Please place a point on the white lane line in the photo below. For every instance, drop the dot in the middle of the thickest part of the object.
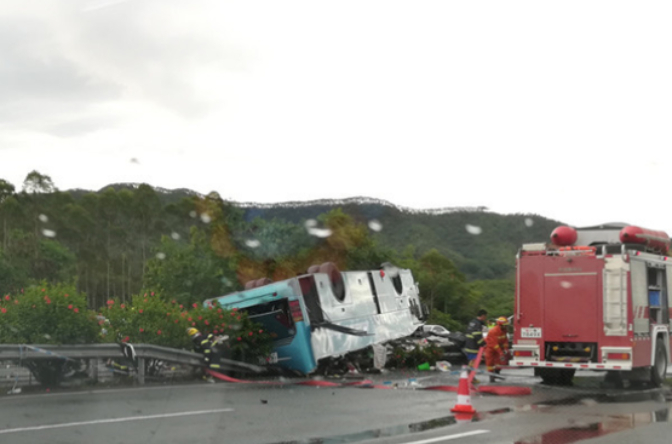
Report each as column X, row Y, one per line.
column 449, row 437
column 113, row 420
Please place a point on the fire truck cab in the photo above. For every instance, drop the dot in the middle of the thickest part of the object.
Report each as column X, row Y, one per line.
column 594, row 298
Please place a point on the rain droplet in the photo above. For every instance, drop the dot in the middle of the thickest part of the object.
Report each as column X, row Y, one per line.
column 319, row 232
column 49, row 233
column 566, row 284
column 375, row 225
column 175, row 235
column 205, row 217
column 311, row 223
column 192, row 213
column 473, row 229
column 252, row 243
column 529, row 222
column 160, row 255
column 43, row 218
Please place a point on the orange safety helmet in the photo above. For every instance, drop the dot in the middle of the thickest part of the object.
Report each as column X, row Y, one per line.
column 502, row 321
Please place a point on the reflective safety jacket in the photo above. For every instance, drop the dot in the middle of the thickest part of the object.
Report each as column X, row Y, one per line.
column 474, row 336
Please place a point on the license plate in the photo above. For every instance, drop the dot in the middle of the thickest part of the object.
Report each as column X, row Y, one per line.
column 530, row 333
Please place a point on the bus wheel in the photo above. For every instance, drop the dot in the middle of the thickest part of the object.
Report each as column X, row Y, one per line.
column 659, row 369
column 555, row 376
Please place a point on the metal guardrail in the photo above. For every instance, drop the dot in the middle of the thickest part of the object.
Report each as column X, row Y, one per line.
column 24, row 352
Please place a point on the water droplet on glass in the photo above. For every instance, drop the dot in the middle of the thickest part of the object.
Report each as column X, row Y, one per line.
column 319, row 232
column 252, row 243
column 160, row 255
column 473, row 229
column 205, row 217
column 192, row 213
column 311, row 223
column 529, row 222
column 49, row 233
column 43, row 218
column 566, row 284
column 375, row 225
column 175, row 235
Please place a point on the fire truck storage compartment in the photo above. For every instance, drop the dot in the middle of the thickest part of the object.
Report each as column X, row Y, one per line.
column 570, row 293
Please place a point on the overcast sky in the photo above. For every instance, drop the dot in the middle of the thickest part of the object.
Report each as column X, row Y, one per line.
column 558, row 108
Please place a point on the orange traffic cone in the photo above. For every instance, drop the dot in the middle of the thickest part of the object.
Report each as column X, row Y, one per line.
column 463, row 395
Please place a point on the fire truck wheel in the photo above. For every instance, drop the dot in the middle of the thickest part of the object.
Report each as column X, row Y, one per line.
column 659, row 369
column 556, row 376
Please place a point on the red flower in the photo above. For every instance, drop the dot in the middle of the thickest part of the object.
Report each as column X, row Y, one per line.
column 7, row 298
column 200, row 318
column 238, row 318
column 215, row 331
column 145, row 299
column 210, row 307
column 221, row 316
column 43, row 289
column 125, row 339
column 48, row 301
column 181, row 306
column 100, row 322
column 140, row 311
column 142, row 330
column 123, row 305
column 152, row 293
column 76, row 310
column 195, row 305
column 174, row 302
column 251, row 333
column 158, row 332
column 65, row 295
column 110, row 302
column 219, row 310
column 167, row 314
column 16, row 302
column 193, row 324
column 70, row 307
column 233, row 314
column 145, row 296
column 235, row 309
column 4, row 310
column 206, row 322
column 189, row 319
column 177, row 320
column 239, row 338
column 261, row 331
column 223, row 325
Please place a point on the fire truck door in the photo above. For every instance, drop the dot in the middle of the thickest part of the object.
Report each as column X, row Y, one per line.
column 571, row 307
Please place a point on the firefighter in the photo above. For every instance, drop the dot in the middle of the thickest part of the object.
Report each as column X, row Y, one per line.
column 497, row 347
column 205, row 344
column 475, row 336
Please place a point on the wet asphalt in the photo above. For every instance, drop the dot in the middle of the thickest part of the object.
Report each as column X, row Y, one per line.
column 255, row 413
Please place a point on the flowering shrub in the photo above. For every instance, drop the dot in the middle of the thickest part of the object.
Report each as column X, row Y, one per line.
column 150, row 319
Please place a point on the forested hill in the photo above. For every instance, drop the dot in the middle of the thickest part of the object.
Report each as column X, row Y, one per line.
column 483, row 244
column 452, row 231
column 130, row 238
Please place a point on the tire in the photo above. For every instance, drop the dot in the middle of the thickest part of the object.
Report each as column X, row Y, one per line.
column 554, row 376
column 659, row 368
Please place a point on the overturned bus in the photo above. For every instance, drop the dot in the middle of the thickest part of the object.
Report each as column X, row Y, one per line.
column 328, row 313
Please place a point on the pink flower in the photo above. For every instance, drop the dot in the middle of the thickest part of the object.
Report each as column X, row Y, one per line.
column 174, row 302
column 177, row 320
column 142, row 330
column 219, row 310
column 123, row 305
column 140, row 311
column 7, row 298
column 251, row 333
column 65, row 295
column 239, row 338
column 206, row 322
column 70, row 307
column 200, row 318
column 261, row 331
column 195, row 305
column 4, row 310
column 110, row 302
column 158, row 332
column 152, row 293
column 181, row 306
column 76, row 310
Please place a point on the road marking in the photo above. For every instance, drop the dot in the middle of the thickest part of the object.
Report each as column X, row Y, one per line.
column 113, row 420
column 449, row 437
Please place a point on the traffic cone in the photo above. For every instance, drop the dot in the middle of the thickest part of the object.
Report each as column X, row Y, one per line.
column 463, row 395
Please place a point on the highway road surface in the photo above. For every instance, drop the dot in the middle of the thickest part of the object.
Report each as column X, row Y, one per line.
column 258, row 414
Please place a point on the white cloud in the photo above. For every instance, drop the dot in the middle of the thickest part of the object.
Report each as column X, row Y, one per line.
column 520, row 107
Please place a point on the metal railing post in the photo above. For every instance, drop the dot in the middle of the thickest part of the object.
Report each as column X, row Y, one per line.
column 141, row 370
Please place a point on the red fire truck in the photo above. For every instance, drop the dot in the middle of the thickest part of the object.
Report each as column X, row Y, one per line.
column 594, row 298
